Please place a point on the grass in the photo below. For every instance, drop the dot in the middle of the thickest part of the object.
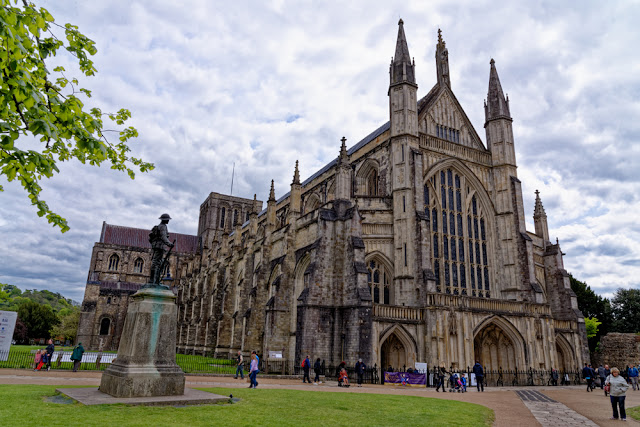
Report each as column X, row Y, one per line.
column 24, row 405
column 634, row 413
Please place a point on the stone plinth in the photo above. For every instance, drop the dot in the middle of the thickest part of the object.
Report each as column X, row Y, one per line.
column 146, row 363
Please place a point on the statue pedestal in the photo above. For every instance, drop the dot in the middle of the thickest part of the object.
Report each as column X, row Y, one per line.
column 146, row 362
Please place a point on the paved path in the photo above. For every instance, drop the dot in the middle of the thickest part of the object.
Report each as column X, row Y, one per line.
column 552, row 406
column 548, row 412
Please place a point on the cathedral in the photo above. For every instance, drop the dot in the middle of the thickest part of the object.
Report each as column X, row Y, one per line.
column 409, row 247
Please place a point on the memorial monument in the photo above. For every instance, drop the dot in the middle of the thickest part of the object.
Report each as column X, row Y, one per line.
column 146, row 362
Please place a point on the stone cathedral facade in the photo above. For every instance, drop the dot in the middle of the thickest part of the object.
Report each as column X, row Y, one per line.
column 410, row 247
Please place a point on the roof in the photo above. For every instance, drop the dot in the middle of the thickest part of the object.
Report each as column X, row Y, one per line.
column 139, row 238
column 367, row 139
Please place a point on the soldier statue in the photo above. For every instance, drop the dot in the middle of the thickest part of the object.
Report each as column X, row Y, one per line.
column 159, row 238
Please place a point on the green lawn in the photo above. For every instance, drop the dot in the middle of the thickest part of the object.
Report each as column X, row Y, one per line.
column 25, row 405
column 634, row 413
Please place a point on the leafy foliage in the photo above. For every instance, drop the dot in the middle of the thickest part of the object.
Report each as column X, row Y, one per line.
column 591, row 324
column 593, row 306
column 39, row 319
column 625, row 307
column 41, row 314
column 39, row 104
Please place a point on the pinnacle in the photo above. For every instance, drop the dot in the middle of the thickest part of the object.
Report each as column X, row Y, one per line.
column 272, row 193
column 296, row 175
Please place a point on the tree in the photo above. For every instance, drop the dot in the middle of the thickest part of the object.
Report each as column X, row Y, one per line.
column 625, row 307
column 39, row 319
column 68, row 327
column 20, row 333
column 592, row 306
column 39, row 104
column 591, row 323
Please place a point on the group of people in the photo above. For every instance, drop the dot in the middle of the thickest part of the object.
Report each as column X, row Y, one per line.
column 253, row 368
column 614, row 383
column 459, row 382
column 44, row 357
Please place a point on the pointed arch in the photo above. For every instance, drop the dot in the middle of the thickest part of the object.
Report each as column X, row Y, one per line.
column 367, row 178
column 462, row 227
column 397, row 347
column 380, row 278
column 516, row 338
column 312, row 203
column 568, row 356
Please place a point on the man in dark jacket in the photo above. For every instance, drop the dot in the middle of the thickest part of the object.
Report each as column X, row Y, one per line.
column 317, row 367
column 587, row 374
column 306, row 365
column 602, row 376
column 76, row 356
column 479, row 372
column 50, row 349
column 441, row 374
column 360, row 367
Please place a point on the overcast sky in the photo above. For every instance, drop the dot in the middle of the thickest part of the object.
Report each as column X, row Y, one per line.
column 264, row 83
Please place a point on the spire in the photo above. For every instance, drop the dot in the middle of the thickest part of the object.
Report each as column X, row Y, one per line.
column 496, row 106
column 540, row 219
column 296, row 175
column 402, row 69
column 442, row 61
column 538, row 211
column 272, row 193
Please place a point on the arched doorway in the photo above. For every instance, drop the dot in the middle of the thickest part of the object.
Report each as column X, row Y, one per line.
column 495, row 349
column 564, row 354
column 394, row 353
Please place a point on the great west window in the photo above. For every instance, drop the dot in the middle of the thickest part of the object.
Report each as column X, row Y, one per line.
column 459, row 236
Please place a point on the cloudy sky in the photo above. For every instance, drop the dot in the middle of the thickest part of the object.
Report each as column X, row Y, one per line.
column 261, row 84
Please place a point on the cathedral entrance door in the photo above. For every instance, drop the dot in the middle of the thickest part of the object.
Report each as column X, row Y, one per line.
column 494, row 349
column 394, row 353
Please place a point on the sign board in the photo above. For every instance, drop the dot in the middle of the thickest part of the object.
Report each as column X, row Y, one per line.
column 7, row 325
column 421, row 367
column 275, row 355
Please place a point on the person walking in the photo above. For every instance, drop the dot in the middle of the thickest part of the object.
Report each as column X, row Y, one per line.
column 607, row 372
column 633, row 376
column 253, row 370
column 441, row 374
column 618, row 393
column 588, row 375
column 602, row 376
column 239, row 366
column 49, row 350
column 317, row 367
column 360, row 367
column 479, row 372
column 76, row 356
column 554, row 376
column 306, row 367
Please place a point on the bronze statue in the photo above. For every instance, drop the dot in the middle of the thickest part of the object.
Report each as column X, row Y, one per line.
column 159, row 238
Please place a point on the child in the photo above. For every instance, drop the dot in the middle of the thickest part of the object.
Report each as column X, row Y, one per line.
column 463, row 380
column 453, row 382
column 37, row 359
column 343, row 380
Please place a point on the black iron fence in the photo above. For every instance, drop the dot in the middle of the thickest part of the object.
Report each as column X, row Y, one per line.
column 501, row 377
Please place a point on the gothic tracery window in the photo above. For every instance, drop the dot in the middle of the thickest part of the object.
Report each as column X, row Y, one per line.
column 459, row 236
column 378, row 280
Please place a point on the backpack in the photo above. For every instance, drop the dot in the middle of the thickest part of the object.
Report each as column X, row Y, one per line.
column 155, row 234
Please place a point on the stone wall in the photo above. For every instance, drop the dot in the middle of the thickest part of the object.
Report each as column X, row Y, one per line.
column 618, row 350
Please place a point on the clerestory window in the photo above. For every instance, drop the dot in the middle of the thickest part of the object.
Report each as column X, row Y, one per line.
column 378, row 279
column 114, row 260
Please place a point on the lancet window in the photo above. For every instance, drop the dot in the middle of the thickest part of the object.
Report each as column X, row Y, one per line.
column 378, row 279
column 459, row 236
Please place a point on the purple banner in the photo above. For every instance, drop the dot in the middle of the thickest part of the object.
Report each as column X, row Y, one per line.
column 405, row 379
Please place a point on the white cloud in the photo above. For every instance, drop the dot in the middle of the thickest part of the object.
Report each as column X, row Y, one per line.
column 211, row 84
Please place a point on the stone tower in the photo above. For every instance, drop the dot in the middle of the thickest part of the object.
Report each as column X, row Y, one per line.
column 404, row 141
